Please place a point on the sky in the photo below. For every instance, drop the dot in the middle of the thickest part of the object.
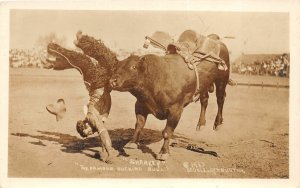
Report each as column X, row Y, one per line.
column 253, row 32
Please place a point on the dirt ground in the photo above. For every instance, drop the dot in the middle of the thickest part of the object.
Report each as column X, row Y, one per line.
column 252, row 142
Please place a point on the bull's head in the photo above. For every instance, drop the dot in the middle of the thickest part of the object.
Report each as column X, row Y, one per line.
column 56, row 58
column 127, row 74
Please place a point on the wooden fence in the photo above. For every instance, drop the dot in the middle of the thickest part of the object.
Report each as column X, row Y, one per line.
column 262, row 85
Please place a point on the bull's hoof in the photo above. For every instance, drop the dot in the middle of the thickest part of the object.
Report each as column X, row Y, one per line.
column 162, row 156
column 131, row 145
column 218, row 122
column 200, row 127
column 217, row 126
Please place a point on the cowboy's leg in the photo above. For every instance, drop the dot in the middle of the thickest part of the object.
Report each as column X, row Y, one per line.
column 107, row 144
column 95, row 97
column 101, row 102
column 97, row 120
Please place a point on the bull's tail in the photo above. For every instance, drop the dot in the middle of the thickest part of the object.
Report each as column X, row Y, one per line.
column 231, row 82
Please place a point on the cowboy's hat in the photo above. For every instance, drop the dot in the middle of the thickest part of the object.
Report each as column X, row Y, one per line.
column 58, row 109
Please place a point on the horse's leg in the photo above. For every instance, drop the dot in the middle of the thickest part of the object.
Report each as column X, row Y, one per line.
column 221, row 94
column 141, row 117
column 172, row 121
column 204, row 101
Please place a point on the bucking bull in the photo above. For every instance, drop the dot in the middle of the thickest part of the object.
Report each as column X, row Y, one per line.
column 163, row 86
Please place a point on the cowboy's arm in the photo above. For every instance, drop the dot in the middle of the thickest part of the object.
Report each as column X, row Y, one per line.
column 100, row 104
column 93, row 114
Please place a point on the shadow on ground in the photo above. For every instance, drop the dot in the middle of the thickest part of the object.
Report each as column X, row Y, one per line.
column 119, row 137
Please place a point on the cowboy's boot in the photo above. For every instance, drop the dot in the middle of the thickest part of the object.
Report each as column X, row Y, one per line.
column 97, row 120
column 107, row 145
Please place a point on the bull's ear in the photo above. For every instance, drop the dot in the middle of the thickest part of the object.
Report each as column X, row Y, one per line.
column 141, row 65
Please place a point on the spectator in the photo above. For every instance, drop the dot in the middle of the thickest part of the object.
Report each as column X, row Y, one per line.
column 274, row 66
column 24, row 58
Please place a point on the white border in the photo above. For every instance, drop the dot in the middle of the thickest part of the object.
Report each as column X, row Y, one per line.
column 291, row 6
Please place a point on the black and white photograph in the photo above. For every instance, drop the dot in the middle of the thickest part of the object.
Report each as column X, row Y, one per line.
column 101, row 93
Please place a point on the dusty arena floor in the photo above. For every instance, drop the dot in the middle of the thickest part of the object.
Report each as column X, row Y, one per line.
column 252, row 142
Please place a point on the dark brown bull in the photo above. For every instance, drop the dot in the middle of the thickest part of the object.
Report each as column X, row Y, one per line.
column 163, row 86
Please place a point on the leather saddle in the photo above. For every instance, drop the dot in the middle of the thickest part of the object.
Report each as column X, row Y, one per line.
column 194, row 48
column 190, row 45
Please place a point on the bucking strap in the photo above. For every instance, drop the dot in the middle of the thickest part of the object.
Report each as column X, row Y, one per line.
column 196, row 95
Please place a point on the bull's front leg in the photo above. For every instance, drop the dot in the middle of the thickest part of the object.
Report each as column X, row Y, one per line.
column 172, row 122
column 141, row 117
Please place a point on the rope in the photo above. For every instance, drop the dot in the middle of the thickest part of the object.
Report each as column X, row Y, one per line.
column 196, row 94
column 74, row 66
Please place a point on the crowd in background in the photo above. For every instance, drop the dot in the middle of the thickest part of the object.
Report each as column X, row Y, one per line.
column 24, row 58
column 274, row 66
column 31, row 58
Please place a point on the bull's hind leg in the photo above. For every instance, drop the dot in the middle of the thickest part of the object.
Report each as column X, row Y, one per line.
column 141, row 117
column 221, row 94
column 172, row 121
column 204, row 101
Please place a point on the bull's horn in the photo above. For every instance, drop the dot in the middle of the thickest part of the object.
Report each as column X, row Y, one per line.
column 58, row 109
